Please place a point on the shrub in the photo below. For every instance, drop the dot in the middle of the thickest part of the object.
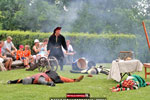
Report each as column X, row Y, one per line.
column 99, row 48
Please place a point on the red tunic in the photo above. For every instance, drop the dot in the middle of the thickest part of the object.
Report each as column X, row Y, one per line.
column 36, row 77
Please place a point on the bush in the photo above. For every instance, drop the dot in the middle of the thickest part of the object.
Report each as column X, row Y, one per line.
column 103, row 47
column 99, row 48
column 21, row 37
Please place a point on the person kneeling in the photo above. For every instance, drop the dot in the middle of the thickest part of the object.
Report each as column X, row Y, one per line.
column 47, row 78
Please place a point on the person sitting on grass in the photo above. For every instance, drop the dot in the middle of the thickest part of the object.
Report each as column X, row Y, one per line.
column 47, row 78
column 132, row 82
column 20, row 56
column 27, row 54
column 7, row 61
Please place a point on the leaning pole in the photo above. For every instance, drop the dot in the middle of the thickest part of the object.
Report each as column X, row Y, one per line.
column 146, row 35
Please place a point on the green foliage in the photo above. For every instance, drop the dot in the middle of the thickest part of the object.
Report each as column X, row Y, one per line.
column 82, row 16
column 103, row 47
column 109, row 16
column 1, row 17
column 99, row 48
column 25, row 15
column 21, row 37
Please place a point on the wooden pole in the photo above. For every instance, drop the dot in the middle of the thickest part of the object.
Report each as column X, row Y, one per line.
column 146, row 35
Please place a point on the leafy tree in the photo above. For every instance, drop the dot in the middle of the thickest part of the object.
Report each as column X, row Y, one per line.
column 109, row 16
column 92, row 16
column 9, row 8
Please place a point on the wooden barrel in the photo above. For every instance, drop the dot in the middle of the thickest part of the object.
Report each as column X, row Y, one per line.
column 79, row 64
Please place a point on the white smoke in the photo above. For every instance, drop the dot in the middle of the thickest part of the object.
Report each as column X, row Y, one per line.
column 143, row 7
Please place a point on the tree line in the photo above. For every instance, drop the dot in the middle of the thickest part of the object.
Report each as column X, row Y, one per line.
column 89, row 16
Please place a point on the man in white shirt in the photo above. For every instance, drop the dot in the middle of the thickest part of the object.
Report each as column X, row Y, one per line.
column 7, row 48
column 69, row 54
column 70, row 49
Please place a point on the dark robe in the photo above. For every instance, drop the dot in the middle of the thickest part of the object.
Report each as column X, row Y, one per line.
column 55, row 47
column 54, row 76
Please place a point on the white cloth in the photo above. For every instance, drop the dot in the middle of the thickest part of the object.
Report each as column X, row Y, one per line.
column 2, row 68
column 70, row 48
column 1, row 60
column 122, row 67
column 68, row 56
column 8, row 46
column 129, row 77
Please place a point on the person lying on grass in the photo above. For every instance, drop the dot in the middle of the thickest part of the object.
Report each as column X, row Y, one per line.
column 47, row 78
column 132, row 82
column 93, row 70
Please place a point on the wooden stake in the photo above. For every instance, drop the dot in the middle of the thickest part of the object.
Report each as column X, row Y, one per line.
column 146, row 35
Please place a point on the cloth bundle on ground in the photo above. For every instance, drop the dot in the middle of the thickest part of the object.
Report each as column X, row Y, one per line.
column 48, row 78
column 132, row 82
column 92, row 70
column 81, row 66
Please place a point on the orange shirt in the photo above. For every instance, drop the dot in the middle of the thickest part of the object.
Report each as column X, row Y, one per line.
column 27, row 53
column 19, row 54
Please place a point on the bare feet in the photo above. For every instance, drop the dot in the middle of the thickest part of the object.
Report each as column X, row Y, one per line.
column 89, row 75
column 79, row 78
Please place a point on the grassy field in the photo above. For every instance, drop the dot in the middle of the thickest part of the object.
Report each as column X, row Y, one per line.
column 97, row 86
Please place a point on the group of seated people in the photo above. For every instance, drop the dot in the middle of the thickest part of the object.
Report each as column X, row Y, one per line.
column 9, row 53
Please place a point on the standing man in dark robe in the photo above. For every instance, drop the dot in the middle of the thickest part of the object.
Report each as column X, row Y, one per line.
column 54, row 47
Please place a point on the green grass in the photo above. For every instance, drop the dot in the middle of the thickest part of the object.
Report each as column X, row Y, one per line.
column 97, row 86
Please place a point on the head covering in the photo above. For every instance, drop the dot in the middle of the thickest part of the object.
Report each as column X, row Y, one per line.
column 92, row 71
column 57, row 28
column 36, row 40
column 21, row 46
column 129, row 78
column 9, row 37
